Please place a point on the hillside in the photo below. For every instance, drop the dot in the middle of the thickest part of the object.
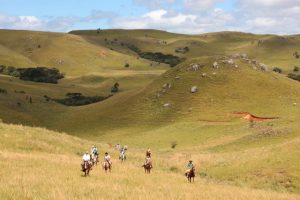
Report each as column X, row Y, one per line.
column 156, row 108
column 45, row 165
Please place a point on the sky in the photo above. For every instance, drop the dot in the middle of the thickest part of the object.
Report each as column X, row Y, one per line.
column 179, row 16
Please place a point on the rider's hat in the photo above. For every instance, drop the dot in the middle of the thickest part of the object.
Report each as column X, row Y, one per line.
column 190, row 161
column 106, row 153
column 87, row 152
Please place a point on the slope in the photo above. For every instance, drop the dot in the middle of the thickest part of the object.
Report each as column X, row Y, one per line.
column 45, row 165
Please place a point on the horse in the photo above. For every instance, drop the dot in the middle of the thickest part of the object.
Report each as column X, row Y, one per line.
column 86, row 167
column 122, row 157
column 94, row 159
column 147, row 167
column 106, row 166
column 191, row 174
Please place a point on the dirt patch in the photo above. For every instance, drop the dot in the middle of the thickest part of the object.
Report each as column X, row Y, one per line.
column 252, row 118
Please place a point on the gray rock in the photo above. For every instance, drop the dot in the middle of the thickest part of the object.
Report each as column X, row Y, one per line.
column 194, row 89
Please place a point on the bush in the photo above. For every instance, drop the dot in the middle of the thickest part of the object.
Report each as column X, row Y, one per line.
column 277, row 69
column 77, row 99
column 174, row 169
column 126, row 65
column 161, row 58
column 294, row 77
column 296, row 55
column 173, row 145
column 296, row 69
column 182, row 50
column 40, row 74
column 115, row 88
column 3, row 91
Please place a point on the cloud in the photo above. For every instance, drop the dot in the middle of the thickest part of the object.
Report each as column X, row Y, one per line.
column 199, row 5
column 177, row 22
column 154, row 4
column 50, row 23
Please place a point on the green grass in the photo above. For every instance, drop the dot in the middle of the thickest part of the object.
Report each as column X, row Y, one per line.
column 225, row 148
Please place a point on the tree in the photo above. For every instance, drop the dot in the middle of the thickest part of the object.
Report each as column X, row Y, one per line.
column 115, row 88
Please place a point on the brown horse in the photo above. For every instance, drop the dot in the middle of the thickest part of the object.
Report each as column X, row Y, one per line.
column 107, row 166
column 86, row 167
column 147, row 167
column 191, row 174
column 94, row 159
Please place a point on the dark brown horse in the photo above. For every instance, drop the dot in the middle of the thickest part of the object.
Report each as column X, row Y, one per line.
column 191, row 174
column 107, row 166
column 86, row 167
column 147, row 167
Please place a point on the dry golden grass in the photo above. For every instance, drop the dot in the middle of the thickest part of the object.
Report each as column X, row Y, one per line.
column 40, row 164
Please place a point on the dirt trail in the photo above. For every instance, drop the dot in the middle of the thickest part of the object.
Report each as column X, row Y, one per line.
column 252, row 118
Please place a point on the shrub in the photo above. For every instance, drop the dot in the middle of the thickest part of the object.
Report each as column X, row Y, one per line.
column 173, row 145
column 161, row 58
column 115, row 88
column 182, row 50
column 3, row 91
column 296, row 69
column 77, row 99
column 126, row 65
column 277, row 69
column 296, row 55
column 174, row 169
column 40, row 74
column 294, row 77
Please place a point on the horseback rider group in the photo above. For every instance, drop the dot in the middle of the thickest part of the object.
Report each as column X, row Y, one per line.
column 87, row 159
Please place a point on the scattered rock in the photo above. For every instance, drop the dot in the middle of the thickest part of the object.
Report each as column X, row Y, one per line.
column 177, row 77
column 167, row 86
column 263, row 67
column 166, row 105
column 194, row 89
column 236, row 66
column 204, row 74
column 195, row 67
column 214, row 73
column 216, row 65
column 294, row 104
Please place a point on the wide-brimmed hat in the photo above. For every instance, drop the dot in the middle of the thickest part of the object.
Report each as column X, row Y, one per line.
column 106, row 153
column 190, row 161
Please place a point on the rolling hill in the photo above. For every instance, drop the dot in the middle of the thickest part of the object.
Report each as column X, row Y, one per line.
column 156, row 108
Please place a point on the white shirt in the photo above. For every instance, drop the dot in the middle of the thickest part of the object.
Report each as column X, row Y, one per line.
column 107, row 158
column 86, row 157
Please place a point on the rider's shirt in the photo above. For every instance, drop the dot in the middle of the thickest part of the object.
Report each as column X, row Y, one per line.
column 86, row 157
column 190, row 166
column 107, row 158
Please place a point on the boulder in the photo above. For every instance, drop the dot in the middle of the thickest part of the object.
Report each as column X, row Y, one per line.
column 204, row 74
column 263, row 67
column 230, row 62
column 216, row 65
column 194, row 89
column 243, row 55
column 166, row 105
column 167, row 86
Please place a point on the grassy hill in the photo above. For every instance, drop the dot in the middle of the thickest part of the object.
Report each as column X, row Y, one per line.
column 41, row 164
column 146, row 113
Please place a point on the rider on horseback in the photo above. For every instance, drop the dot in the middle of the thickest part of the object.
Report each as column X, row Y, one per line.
column 94, row 151
column 107, row 158
column 122, row 154
column 189, row 166
column 148, row 161
column 86, row 159
column 148, row 153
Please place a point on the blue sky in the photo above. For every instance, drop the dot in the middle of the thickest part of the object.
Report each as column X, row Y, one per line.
column 184, row 16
